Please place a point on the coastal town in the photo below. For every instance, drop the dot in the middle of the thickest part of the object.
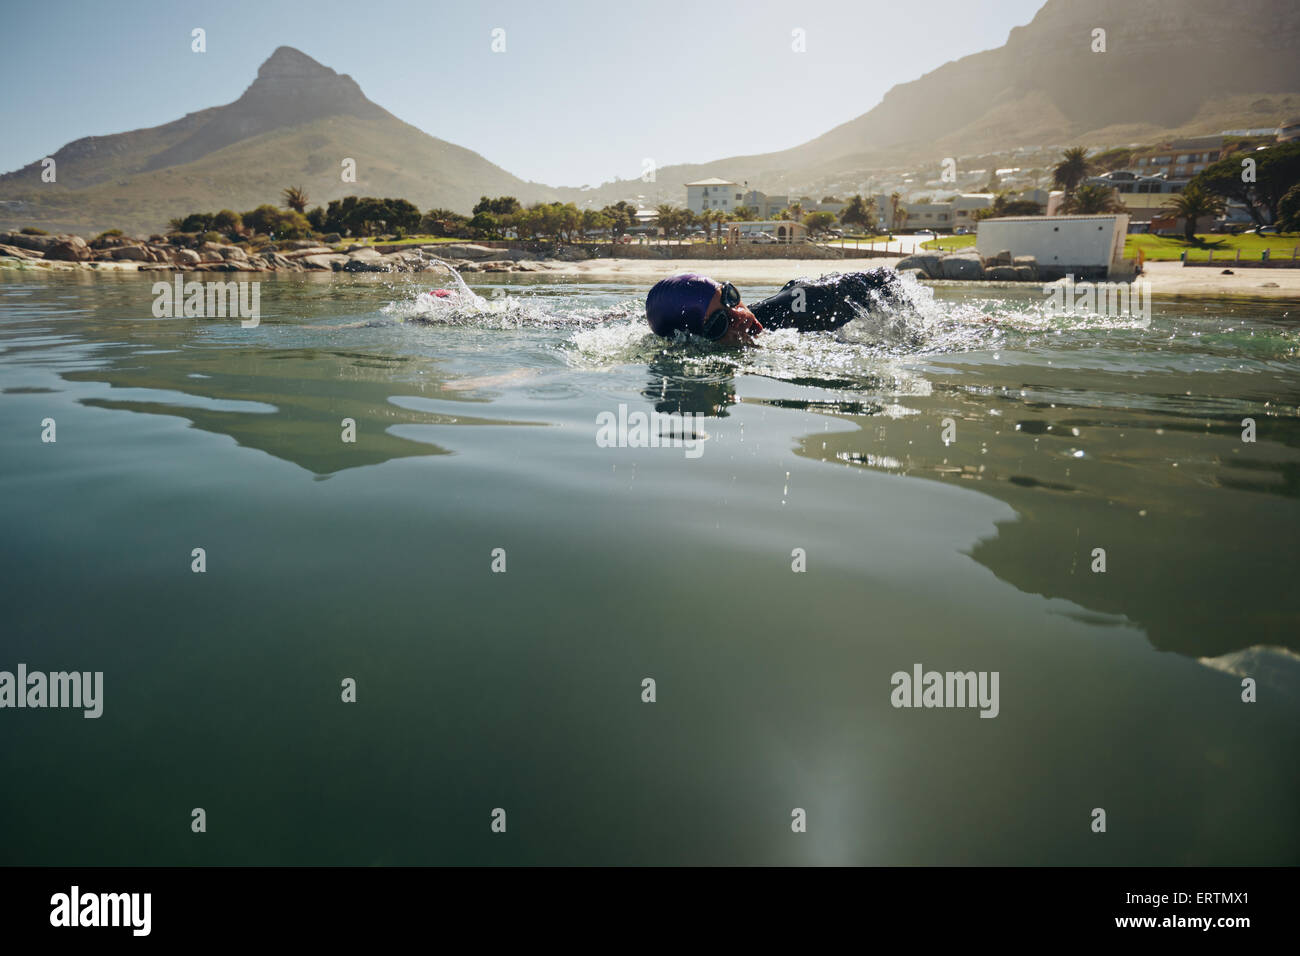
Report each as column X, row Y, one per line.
column 1084, row 212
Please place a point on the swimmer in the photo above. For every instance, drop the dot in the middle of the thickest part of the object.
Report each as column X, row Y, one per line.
column 713, row 310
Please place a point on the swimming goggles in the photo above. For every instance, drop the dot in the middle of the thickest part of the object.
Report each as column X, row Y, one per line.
column 718, row 321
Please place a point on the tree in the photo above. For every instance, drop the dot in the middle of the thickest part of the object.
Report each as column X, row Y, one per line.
column 317, row 218
column 708, row 217
column 1224, row 179
column 228, row 223
column 280, row 223
column 621, row 216
column 860, row 212
column 366, row 215
column 444, row 222
column 501, row 206
column 593, row 220
column 670, row 219
column 1004, row 205
column 1190, row 205
column 819, row 222
column 528, row 222
column 1288, row 210
column 1091, row 201
column 796, row 210
column 194, row 222
column 829, row 199
column 1022, row 207
column 744, row 214
column 485, row 225
column 1278, row 171
column 295, row 198
column 1072, row 169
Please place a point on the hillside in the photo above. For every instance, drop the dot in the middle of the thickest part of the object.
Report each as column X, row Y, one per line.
column 1171, row 68
column 293, row 126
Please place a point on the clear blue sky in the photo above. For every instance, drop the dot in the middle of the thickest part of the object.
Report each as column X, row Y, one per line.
column 583, row 92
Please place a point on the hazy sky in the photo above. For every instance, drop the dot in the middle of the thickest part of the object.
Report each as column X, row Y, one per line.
column 584, row 91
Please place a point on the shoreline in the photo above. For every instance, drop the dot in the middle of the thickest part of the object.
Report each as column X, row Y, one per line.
column 1167, row 279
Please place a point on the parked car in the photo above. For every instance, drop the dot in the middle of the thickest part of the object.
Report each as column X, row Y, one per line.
column 762, row 237
column 960, row 231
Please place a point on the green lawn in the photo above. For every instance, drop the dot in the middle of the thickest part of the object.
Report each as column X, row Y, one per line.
column 950, row 243
column 1224, row 247
column 1166, row 248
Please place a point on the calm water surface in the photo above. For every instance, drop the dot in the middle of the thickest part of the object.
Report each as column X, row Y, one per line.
column 476, row 690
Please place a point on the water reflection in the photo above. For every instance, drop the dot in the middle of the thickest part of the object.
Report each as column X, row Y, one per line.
column 1166, row 487
column 679, row 386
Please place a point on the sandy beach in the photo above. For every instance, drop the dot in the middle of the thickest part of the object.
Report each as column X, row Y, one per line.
column 1166, row 278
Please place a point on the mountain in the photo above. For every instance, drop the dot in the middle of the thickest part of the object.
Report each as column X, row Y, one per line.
column 1170, row 68
column 293, row 126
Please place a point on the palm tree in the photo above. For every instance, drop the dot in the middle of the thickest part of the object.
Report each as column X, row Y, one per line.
column 1190, row 205
column 1091, row 201
column 796, row 211
column 1072, row 169
column 669, row 217
column 295, row 198
column 895, row 205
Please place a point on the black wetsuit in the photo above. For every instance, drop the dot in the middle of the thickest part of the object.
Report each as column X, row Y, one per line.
column 819, row 305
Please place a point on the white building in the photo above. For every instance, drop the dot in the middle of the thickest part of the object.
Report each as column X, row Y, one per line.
column 766, row 206
column 713, row 194
column 966, row 205
column 929, row 215
column 1087, row 247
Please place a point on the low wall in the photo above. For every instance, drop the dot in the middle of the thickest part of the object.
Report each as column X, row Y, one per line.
column 689, row 250
column 709, row 250
column 1229, row 263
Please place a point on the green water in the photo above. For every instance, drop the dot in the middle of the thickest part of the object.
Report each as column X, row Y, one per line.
column 522, row 690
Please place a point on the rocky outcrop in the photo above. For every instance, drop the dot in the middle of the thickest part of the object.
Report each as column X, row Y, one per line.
column 959, row 266
column 68, row 249
column 930, row 265
column 24, row 241
column 968, row 265
column 17, row 252
column 190, row 253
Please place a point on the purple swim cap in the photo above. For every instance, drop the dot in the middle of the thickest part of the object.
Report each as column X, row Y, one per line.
column 679, row 302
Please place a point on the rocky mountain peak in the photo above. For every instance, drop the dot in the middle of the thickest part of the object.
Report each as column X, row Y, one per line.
column 290, row 71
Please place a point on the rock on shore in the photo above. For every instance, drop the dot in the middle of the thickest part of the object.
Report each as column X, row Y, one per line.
column 190, row 254
column 967, row 264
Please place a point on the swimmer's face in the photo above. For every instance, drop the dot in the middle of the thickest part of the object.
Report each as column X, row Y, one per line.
column 743, row 325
